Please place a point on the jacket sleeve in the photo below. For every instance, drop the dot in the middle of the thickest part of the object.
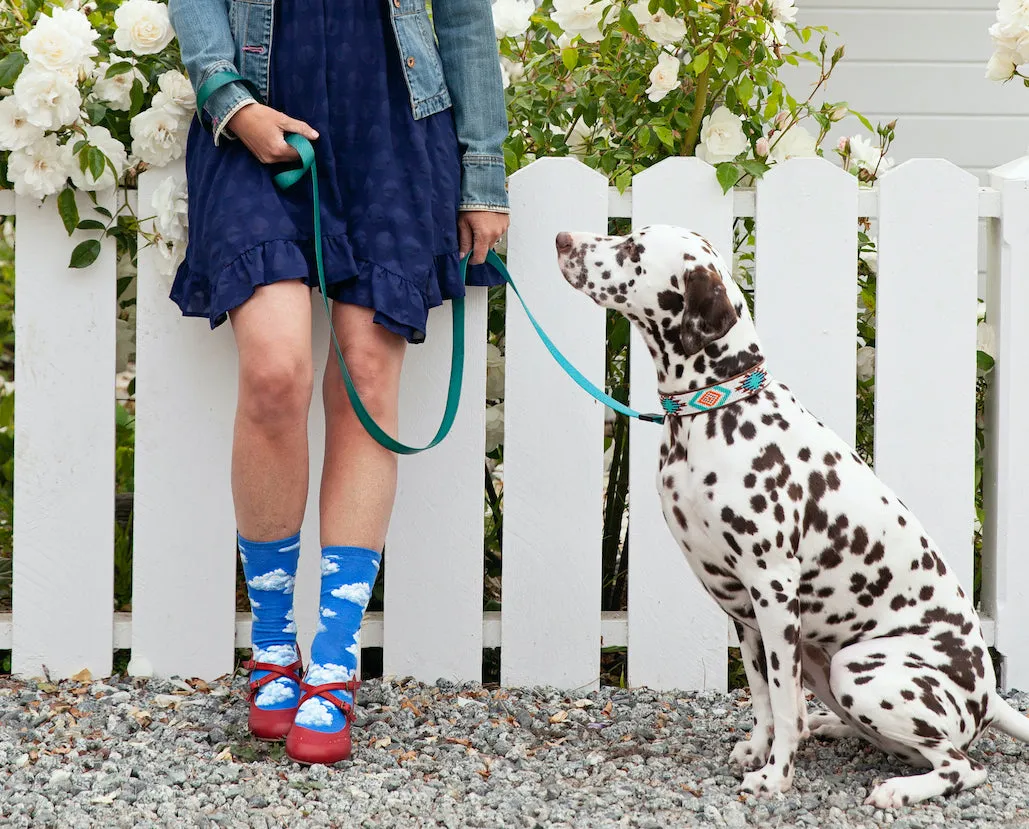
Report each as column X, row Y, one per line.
column 471, row 66
column 205, row 41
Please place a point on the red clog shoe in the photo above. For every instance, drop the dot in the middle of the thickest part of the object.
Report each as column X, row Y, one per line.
column 271, row 724
column 307, row 746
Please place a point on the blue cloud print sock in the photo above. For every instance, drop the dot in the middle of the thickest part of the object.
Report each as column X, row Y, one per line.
column 348, row 574
column 270, row 568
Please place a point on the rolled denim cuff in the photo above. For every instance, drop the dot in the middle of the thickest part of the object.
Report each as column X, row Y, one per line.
column 483, row 183
column 223, row 103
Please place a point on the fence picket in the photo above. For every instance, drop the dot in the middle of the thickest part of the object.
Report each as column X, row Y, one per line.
column 63, row 561
column 553, row 450
column 806, row 285
column 677, row 634
column 1006, row 474
column 925, row 366
column 432, row 625
column 184, row 556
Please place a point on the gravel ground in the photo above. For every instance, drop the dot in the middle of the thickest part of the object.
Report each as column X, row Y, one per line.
column 167, row 753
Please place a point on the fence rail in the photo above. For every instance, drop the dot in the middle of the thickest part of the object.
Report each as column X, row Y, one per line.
column 551, row 627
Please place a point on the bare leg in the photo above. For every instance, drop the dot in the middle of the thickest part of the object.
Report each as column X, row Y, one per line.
column 269, row 447
column 359, row 479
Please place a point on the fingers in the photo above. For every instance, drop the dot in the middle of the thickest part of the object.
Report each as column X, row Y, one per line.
column 300, row 127
column 464, row 235
column 483, row 243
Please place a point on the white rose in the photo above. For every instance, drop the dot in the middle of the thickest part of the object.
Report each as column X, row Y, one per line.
column 871, row 259
column 981, row 311
column 48, row 99
column 986, row 339
column 176, row 94
column 580, row 17
column 494, row 373
column 494, row 426
column 16, row 131
column 511, row 17
column 796, row 142
column 865, row 362
column 171, row 212
column 660, row 27
column 511, row 70
column 784, row 10
column 40, row 169
column 1012, row 39
column 158, row 135
column 868, row 156
column 664, row 77
column 1001, row 67
column 143, row 27
column 62, row 42
column 1013, row 15
column 721, row 137
column 101, row 138
column 116, row 91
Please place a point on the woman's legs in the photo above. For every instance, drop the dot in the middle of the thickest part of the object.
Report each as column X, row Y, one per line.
column 359, row 478
column 276, row 376
column 270, row 478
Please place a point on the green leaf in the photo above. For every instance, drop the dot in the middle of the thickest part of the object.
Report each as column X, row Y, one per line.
column 32, row 8
column 85, row 254
column 90, row 224
column 10, row 68
column 664, row 135
column 701, row 61
column 97, row 162
column 728, row 174
column 118, row 68
column 984, row 361
column 68, row 209
column 103, row 211
column 569, row 57
column 755, row 167
column 95, row 111
column 136, row 98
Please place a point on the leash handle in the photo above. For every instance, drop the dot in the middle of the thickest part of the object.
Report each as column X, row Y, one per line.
column 570, row 370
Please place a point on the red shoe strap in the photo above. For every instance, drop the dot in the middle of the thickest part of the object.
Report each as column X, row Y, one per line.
column 292, row 672
column 311, row 691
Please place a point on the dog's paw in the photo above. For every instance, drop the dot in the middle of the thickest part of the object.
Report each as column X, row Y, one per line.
column 893, row 793
column 749, row 754
column 766, row 782
column 827, row 725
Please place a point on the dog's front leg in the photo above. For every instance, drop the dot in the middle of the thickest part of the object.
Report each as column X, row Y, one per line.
column 777, row 613
column 753, row 753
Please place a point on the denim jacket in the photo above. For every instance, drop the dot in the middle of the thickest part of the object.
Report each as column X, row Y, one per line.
column 463, row 72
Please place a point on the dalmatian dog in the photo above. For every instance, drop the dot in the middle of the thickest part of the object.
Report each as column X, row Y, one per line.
column 830, row 580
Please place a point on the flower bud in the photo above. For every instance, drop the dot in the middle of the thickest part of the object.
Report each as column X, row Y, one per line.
column 761, row 148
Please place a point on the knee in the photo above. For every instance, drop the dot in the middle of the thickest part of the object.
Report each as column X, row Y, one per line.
column 376, row 376
column 276, row 391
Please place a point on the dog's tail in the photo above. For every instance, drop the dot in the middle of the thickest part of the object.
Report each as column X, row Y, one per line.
column 1008, row 720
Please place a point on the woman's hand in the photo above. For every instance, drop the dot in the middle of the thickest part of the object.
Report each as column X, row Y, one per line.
column 263, row 130
column 478, row 231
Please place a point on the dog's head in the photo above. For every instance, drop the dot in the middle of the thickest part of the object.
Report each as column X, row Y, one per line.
column 669, row 281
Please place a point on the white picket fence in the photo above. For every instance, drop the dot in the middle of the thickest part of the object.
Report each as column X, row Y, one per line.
column 551, row 628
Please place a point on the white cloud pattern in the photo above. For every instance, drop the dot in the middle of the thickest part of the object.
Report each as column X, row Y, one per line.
column 314, row 711
column 358, row 593
column 353, row 649
column 289, row 615
column 254, row 603
column 279, row 690
column 276, row 654
column 321, row 627
column 329, row 566
column 328, row 612
column 277, row 579
column 290, row 548
column 290, row 628
column 243, row 556
column 329, row 672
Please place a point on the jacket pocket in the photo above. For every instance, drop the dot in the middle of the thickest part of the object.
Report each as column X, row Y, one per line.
column 250, row 22
column 418, row 53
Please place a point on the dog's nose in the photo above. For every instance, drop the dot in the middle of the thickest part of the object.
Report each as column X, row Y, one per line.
column 564, row 242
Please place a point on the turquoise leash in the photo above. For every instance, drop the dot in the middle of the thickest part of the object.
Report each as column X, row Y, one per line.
column 291, row 177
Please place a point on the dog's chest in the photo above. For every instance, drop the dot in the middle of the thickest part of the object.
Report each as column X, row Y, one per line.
column 761, row 492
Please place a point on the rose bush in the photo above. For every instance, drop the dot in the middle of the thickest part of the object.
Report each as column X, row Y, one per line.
column 1011, row 41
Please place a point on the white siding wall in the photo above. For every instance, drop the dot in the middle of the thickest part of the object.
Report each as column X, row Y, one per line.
column 923, row 62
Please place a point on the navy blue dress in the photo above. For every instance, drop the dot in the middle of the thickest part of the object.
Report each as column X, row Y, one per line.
column 389, row 184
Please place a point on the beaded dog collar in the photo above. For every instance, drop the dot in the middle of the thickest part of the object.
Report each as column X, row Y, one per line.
column 724, row 393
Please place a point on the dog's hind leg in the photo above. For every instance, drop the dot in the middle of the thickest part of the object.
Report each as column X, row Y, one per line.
column 915, row 710
column 753, row 753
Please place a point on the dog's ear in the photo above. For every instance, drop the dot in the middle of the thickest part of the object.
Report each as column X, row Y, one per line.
column 708, row 314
